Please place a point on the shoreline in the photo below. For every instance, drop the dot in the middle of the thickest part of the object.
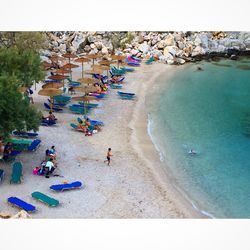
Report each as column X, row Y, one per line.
column 150, row 155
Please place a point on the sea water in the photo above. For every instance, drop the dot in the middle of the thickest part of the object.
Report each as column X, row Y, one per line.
column 208, row 111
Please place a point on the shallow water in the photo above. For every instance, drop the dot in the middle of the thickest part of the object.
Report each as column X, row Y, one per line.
column 208, row 111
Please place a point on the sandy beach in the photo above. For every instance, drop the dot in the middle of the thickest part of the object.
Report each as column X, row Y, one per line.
column 135, row 185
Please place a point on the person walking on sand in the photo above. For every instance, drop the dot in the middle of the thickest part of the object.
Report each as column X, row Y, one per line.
column 109, row 154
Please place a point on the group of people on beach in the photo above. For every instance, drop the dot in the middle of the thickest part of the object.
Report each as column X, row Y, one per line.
column 86, row 127
column 48, row 165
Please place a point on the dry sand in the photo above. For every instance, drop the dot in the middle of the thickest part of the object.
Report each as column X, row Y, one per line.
column 133, row 186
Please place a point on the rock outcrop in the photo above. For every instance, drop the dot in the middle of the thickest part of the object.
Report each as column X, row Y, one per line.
column 169, row 47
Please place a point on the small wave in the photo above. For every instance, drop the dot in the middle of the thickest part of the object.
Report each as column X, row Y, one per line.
column 202, row 211
column 149, row 126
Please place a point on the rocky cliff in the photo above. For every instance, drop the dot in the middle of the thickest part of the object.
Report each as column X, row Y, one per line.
column 169, row 47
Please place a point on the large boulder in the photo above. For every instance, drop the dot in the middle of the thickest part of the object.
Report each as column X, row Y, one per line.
column 198, row 50
column 91, row 39
column 62, row 47
column 134, row 52
column 144, row 48
column 170, row 49
column 105, row 51
column 87, row 48
column 140, row 39
column 169, row 40
column 180, row 61
column 161, row 44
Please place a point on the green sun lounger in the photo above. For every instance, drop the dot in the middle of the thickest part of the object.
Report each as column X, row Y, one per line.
column 17, row 172
column 45, row 199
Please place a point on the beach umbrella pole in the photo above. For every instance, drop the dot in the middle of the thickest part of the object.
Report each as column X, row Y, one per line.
column 82, row 69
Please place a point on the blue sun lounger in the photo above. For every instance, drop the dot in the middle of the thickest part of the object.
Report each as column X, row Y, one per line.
column 46, row 105
column 45, row 122
column 25, row 134
column 34, row 145
column 125, row 93
column 62, row 99
column 57, row 105
column 67, row 186
column 21, row 204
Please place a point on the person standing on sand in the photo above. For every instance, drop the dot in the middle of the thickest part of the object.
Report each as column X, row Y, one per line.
column 109, row 154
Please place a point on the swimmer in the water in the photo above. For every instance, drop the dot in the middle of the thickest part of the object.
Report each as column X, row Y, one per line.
column 192, row 152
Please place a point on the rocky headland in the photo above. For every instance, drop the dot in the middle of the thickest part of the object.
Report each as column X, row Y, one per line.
column 168, row 47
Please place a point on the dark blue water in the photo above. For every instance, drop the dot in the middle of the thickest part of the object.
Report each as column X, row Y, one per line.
column 208, row 111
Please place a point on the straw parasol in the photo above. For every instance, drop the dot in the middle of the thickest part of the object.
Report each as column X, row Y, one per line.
column 82, row 60
column 46, row 65
column 69, row 56
column 102, row 67
column 70, row 66
column 94, row 71
column 87, row 80
column 118, row 58
column 51, row 92
column 105, row 62
column 84, row 98
column 53, row 85
column 93, row 56
column 58, row 77
column 86, row 89
column 63, row 71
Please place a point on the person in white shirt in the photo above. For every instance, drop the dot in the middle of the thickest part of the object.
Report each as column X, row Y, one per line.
column 49, row 167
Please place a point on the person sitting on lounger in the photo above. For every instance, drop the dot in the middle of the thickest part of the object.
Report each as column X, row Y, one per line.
column 115, row 79
column 50, row 117
column 71, row 90
column 7, row 148
column 87, row 123
column 98, row 89
column 50, row 167
column 51, row 153
column 82, row 126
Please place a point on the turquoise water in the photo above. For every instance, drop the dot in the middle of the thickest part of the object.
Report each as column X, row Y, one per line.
column 208, row 111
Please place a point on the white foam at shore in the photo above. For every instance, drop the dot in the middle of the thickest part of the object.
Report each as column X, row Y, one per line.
column 149, row 128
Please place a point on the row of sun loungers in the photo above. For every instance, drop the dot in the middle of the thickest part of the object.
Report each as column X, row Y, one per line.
column 15, row 201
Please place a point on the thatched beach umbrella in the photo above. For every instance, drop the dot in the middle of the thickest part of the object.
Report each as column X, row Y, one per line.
column 105, row 62
column 102, row 67
column 87, row 80
column 47, row 65
column 69, row 56
column 58, row 77
column 70, row 66
column 51, row 92
column 94, row 71
column 84, row 98
column 53, row 85
column 82, row 60
column 119, row 58
column 93, row 56
column 86, row 89
column 63, row 71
